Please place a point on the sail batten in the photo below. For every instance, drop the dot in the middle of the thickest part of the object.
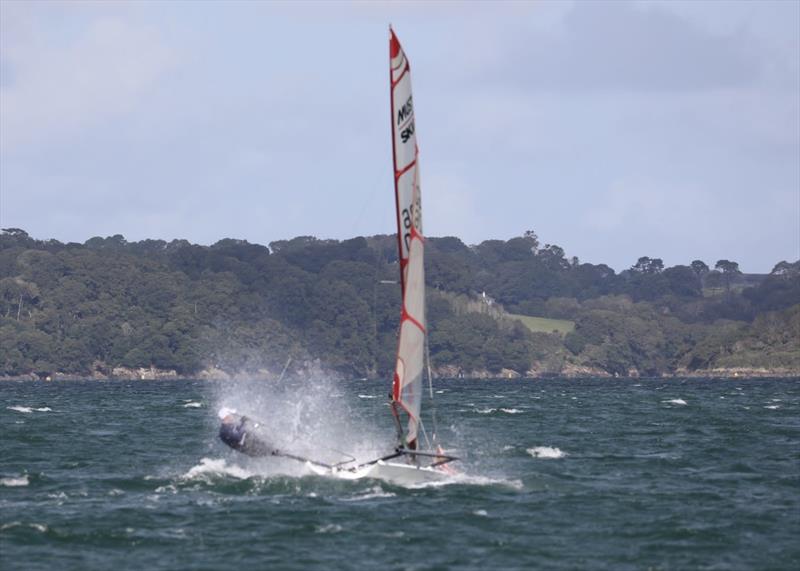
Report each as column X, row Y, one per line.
column 407, row 384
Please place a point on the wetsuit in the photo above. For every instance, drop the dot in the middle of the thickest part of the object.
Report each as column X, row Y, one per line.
column 237, row 437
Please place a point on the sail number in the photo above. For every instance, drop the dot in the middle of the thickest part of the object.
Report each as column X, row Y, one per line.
column 413, row 212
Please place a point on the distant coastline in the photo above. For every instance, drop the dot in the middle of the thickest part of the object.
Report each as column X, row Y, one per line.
column 314, row 371
column 113, row 309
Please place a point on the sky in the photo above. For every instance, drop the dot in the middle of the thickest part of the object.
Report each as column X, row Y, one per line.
column 613, row 129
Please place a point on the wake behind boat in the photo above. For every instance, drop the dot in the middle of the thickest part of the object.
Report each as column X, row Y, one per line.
column 407, row 463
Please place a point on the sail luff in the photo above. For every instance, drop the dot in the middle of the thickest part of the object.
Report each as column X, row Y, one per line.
column 407, row 384
column 394, row 47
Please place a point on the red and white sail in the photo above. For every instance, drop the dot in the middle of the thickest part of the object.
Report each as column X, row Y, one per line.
column 407, row 385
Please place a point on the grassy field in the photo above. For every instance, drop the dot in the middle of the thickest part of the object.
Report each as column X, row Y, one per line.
column 544, row 324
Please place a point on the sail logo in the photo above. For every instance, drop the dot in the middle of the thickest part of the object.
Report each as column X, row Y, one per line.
column 406, row 133
column 406, row 111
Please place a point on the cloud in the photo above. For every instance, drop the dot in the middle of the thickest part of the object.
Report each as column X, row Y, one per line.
column 622, row 46
column 59, row 83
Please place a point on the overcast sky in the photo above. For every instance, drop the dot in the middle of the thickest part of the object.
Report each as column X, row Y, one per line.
column 615, row 130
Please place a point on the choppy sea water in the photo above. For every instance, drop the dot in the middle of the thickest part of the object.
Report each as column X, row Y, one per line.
column 557, row 474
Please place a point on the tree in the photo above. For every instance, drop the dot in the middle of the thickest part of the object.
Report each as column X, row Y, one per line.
column 532, row 239
column 700, row 268
column 648, row 266
column 730, row 270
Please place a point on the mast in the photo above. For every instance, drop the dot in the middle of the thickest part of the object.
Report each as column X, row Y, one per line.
column 407, row 383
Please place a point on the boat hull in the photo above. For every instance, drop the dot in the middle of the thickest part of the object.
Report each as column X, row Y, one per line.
column 394, row 472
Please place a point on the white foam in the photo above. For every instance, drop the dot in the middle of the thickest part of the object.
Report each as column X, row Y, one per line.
column 512, row 410
column 676, row 401
column 215, row 467
column 28, row 409
column 367, row 396
column 481, row 513
column 15, row 482
column 25, row 409
column 193, row 404
column 374, row 492
column 40, row 527
column 481, row 481
column 772, row 406
column 546, row 452
column 329, row 528
column 485, row 410
column 507, row 447
column 168, row 488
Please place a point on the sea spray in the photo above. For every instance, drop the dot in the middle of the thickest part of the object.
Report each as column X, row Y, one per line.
column 299, row 416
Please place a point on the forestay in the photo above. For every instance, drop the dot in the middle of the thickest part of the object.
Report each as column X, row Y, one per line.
column 407, row 384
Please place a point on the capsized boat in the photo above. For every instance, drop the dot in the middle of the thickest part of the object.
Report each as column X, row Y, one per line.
column 408, row 463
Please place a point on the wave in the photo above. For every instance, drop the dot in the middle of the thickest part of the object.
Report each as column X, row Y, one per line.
column 193, row 404
column 215, row 467
column 372, row 493
column 329, row 528
column 511, row 410
column 367, row 396
column 546, row 452
column 28, row 409
column 37, row 526
column 676, row 401
column 15, row 482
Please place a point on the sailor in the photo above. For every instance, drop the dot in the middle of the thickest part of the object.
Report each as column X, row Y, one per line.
column 231, row 432
column 234, row 432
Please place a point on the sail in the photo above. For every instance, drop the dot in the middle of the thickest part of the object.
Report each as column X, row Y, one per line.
column 407, row 384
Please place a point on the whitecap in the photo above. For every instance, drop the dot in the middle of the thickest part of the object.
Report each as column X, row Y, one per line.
column 512, row 410
column 25, row 409
column 485, row 410
column 546, row 452
column 675, row 401
column 193, row 404
column 215, row 467
column 481, row 513
column 507, row 447
column 329, row 528
column 772, row 406
column 28, row 409
column 15, row 482
column 367, row 396
column 374, row 492
column 479, row 481
column 37, row 526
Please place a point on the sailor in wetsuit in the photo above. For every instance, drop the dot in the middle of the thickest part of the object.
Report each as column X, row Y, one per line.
column 234, row 432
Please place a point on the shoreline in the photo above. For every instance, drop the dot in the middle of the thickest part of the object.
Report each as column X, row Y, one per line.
column 450, row 373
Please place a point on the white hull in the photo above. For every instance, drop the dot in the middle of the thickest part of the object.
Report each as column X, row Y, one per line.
column 396, row 473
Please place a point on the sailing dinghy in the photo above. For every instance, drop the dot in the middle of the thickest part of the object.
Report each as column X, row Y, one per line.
column 408, row 463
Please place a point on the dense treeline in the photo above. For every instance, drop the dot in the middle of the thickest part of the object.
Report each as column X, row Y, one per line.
column 241, row 307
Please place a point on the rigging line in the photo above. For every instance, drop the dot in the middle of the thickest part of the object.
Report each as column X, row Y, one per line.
column 430, row 376
column 374, row 190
